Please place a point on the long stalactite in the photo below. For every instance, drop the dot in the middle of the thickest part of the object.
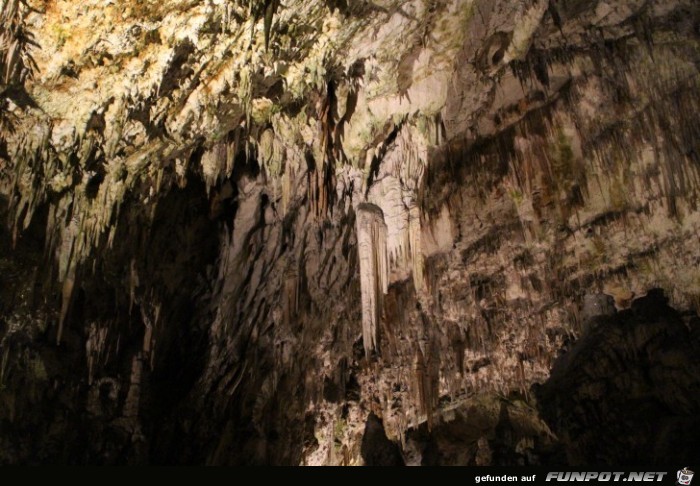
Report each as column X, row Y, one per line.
column 374, row 276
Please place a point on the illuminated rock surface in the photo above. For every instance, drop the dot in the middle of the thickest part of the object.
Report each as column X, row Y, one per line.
column 348, row 232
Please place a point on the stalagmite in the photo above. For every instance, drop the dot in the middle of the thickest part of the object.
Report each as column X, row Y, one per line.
column 371, row 242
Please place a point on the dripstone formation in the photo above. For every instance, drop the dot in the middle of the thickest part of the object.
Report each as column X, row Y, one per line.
column 349, row 232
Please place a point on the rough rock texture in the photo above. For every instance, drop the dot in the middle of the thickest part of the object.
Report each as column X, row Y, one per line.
column 614, row 405
column 330, row 232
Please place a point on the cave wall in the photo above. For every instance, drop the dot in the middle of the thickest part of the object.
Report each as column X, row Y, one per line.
column 256, row 237
column 625, row 392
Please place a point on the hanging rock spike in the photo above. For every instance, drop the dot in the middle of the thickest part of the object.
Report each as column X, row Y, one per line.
column 371, row 244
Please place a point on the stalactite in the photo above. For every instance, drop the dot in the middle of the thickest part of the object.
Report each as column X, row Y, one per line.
column 133, row 396
column 424, row 386
column 371, row 242
column 95, row 346
column 150, row 324
column 286, row 189
column 215, row 163
column 66, row 297
column 153, row 340
column 416, row 249
column 133, row 283
column 291, row 298
column 16, row 61
column 67, row 258
column 322, row 181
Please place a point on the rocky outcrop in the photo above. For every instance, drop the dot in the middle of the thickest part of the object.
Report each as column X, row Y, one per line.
column 311, row 232
column 625, row 392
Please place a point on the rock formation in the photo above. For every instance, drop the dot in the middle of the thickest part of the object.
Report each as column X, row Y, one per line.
column 374, row 271
column 349, row 232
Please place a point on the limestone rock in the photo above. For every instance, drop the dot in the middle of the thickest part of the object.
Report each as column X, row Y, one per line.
column 348, row 232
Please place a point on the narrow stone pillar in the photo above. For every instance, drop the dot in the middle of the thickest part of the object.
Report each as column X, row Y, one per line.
column 374, row 272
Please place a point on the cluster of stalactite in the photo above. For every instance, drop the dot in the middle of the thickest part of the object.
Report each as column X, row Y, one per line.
column 16, row 62
column 522, row 206
column 560, row 171
column 321, row 166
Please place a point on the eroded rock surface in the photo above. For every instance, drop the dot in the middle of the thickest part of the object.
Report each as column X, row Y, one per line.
column 256, row 232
